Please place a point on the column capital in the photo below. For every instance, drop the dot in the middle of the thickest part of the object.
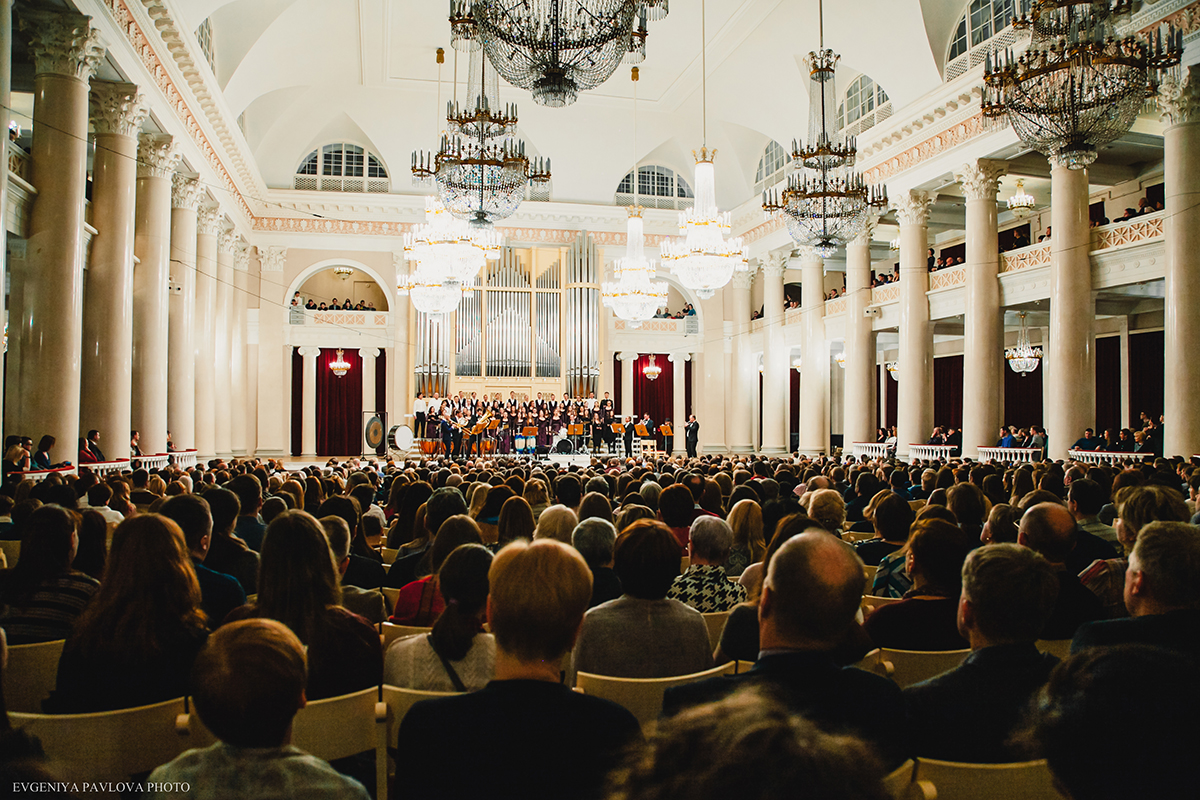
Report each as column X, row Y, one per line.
column 980, row 179
column 626, row 356
column 913, row 208
column 227, row 241
column 399, row 263
column 185, row 192
column 867, row 234
column 310, row 352
column 208, row 220
column 741, row 280
column 809, row 254
column 1179, row 98
column 117, row 108
column 158, row 155
column 61, row 42
column 369, row 352
column 241, row 256
column 774, row 265
column 679, row 358
column 272, row 259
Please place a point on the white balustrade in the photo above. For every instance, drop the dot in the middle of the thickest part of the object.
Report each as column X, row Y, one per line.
column 184, row 458
column 103, row 468
column 158, row 461
column 1011, row 455
column 869, row 449
column 1101, row 456
column 41, row 474
column 930, row 452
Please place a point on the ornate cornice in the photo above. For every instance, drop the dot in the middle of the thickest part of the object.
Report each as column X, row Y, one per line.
column 117, row 108
column 912, row 208
column 208, row 220
column 61, row 42
column 931, row 147
column 742, row 280
column 272, row 259
column 185, row 192
column 158, row 155
column 980, row 179
column 1179, row 98
column 867, row 234
column 627, row 356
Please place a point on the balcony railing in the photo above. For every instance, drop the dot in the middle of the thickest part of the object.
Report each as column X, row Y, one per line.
column 341, row 319
column 1011, row 455
column 931, row 452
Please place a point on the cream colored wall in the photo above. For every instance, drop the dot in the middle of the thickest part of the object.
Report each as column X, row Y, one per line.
column 324, row 286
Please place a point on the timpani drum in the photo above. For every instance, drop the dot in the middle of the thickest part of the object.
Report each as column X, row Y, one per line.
column 430, row 447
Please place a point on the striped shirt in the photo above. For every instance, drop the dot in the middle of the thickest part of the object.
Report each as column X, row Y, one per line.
column 51, row 610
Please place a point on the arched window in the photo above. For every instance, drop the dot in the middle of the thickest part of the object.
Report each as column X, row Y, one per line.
column 771, row 166
column 984, row 27
column 205, row 38
column 341, row 167
column 865, row 104
column 658, row 187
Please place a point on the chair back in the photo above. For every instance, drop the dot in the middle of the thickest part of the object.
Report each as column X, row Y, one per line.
column 392, row 632
column 899, row 782
column 869, row 572
column 742, row 666
column 389, row 554
column 342, row 726
column 391, row 595
column 907, row 667
column 857, row 536
column 871, row 602
column 1055, row 647
column 949, row 780
column 716, row 623
column 12, row 551
column 643, row 697
column 398, row 701
column 31, row 674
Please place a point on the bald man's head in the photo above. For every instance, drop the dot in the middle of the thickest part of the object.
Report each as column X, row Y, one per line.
column 1049, row 529
column 812, row 590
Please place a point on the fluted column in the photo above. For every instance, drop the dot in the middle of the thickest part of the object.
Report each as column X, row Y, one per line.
column 398, row 363
column 237, row 348
column 626, row 399
column 915, row 410
column 273, row 429
column 47, row 318
column 775, row 358
column 308, row 417
column 814, row 386
column 208, row 221
column 181, row 363
column 226, row 243
column 738, row 418
column 712, row 424
column 117, row 111
column 679, row 398
column 1071, row 372
column 983, row 341
column 1179, row 102
column 858, row 424
column 368, row 355
column 157, row 160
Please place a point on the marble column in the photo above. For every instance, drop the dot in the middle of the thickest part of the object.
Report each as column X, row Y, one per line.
column 626, row 399
column 157, row 160
column 712, row 424
column 368, row 355
column 274, row 428
column 46, row 326
column 208, row 222
column 1071, row 371
column 1179, row 102
column 915, row 407
column 814, row 378
column 308, row 417
column 739, row 417
column 775, row 358
column 859, row 422
column 399, row 363
column 181, row 322
column 983, row 338
column 679, row 399
column 118, row 111
column 237, row 348
column 222, row 431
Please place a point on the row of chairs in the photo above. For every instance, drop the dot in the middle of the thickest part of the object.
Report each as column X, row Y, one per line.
column 931, row 779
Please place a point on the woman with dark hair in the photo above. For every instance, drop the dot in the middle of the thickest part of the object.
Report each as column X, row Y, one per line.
column 456, row 656
column 488, row 518
column 596, row 505
column 93, row 544
column 314, row 494
column 892, row 517
column 42, row 595
column 420, row 602
column 515, row 522
column 967, row 502
column 135, row 643
column 400, row 534
column 41, row 456
column 298, row 586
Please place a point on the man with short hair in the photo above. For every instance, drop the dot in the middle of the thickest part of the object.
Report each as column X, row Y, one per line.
column 1085, row 498
column 134, row 450
column 1162, row 593
column 367, row 603
column 93, row 444
column 967, row 714
column 219, row 593
column 704, row 586
column 1049, row 529
column 98, row 496
column 250, row 528
column 691, row 435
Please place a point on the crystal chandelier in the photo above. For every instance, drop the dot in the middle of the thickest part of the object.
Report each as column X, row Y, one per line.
column 1023, row 358
column 555, row 48
column 840, row 359
column 343, row 272
column 1078, row 86
column 893, row 369
column 827, row 202
column 449, row 247
column 652, row 370
column 430, row 293
column 1021, row 203
column 705, row 260
column 340, row 365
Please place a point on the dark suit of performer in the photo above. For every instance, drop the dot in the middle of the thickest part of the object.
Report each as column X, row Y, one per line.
column 447, row 436
column 669, row 441
column 692, row 435
column 628, row 437
column 597, row 431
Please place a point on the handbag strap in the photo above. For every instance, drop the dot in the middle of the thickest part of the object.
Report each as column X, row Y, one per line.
column 459, row 686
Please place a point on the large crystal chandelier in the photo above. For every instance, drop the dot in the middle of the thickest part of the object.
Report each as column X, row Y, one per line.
column 1021, row 204
column 450, row 247
column 430, row 292
column 1078, row 86
column 826, row 203
column 555, row 48
column 704, row 259
column 1023, row 358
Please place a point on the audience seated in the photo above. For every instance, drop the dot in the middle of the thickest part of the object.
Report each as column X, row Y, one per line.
column 594, row 539
column 892, row 517
column 1049, row 529
column 556, row 522
column 420, row 602
column 363, row 571
column 746, row 522
column 370, row 604
column 226, row 552
column 705, row 586
column 219, row 593
column 249, row 528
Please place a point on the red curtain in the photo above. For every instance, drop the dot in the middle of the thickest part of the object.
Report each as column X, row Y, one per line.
column 687, row 387
column 620, row 412
column 339, row 405
column 380, row 398
column 1108, row 383
column 1146, row 367
column 948, row 391
column 297, row 401
column 1023, row 401
column 655, row 397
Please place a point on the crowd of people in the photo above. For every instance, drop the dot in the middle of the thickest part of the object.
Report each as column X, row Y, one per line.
column 313, row 304
column 254, row 588
column 688, row 310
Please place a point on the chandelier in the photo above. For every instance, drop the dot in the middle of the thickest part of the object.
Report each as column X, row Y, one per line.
column 652, row 370
column 1078, row 86
column 827, row 202
column 1021, row 203
column 449, row 247
column 431, row 293
column 1023, row 358
column 340, row 365
column 555, row 48
column 797, row 364
column 343, row 272
column 893, row 369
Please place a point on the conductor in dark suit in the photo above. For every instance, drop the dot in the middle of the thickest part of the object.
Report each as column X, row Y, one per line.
column 692, row 435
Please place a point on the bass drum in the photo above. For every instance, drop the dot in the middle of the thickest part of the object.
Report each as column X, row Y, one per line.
column 400, row 437
column 564, row 447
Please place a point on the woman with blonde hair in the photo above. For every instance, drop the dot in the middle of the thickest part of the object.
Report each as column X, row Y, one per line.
column 827, row 507
column 537, row 495
column 156, row 486
column 556, row 522
column 745, row 518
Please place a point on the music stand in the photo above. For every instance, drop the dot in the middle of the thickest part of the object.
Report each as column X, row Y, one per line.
column 618, row 428
column 665, row 429
column 531, row 430
column 641, row 431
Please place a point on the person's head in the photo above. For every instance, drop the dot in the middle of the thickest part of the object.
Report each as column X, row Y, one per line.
column 248, row 491
column 457, row 530
column 936, row 550
column 827, row 507
column 539, row 592
column 48, row 547
column 190, row 512
column 967, row 502
column 646, row 558
column 441, row 505
column 750, row 746
column 811, row 592
column 515, row 521
column 676, row 506
column 746, row 522
column 337, row 532
column 556, row 522
column 224, row 506
column 1144, row 698
column 1001, row 525
column 710, row 540
column 297, row 576
column 45, row 443
column 1049, row 529
column 535, row 493
column 1008, row 593
column 1085, row 498
column 248, row 682
column 595, row 505
column 594, row 538
column 1164, row 569
column 1138, row 506
column 567, row 491
column 341, row 506
column 893, row 517
column 463, row 583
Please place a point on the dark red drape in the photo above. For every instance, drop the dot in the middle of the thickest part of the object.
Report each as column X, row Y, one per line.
column 1108, row 383
column 339, row 405
column 380, row 399
column 297, row 401
column 687, row 388
column 1146, row 375
column 621, row 412
column 1023, row 400
column 948, row 391
column 655, row 397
